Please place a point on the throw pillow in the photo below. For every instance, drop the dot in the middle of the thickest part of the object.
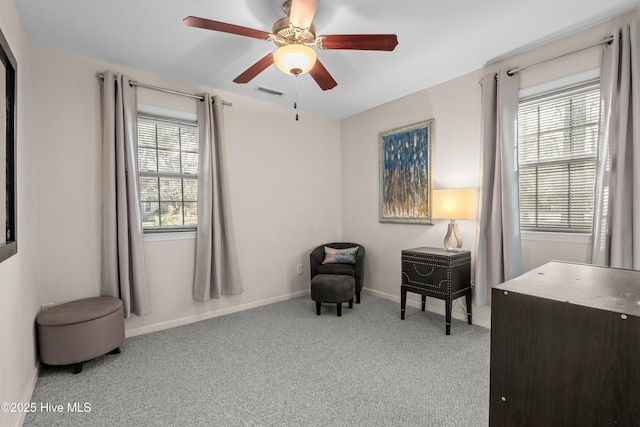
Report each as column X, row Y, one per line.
column 341, row 256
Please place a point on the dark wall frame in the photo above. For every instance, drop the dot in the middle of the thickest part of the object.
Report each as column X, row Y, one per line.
column 9, row 245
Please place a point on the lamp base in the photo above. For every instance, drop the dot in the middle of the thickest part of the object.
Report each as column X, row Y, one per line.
column 453, row 229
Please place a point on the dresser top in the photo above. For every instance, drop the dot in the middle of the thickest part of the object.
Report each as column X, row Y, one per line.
column 611, row 289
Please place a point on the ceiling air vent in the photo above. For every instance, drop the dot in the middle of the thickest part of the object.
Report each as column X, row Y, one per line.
column 270, row 91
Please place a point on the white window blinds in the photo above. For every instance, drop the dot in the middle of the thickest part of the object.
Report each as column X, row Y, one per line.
column 168, row 166
column 557, row 142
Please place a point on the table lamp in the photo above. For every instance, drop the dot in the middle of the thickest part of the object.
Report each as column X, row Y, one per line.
column 454, row 204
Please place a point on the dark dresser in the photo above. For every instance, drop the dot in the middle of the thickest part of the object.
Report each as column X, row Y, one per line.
column 436, row 273
column 565, row 347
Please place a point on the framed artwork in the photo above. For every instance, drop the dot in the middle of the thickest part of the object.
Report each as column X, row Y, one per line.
column 406, row 173
column 8, row 241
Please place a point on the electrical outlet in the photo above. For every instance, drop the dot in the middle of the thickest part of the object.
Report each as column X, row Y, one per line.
column 47, row 306
column 299, row 269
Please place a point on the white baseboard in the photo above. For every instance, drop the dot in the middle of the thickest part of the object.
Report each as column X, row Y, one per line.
column 209, row 315
column 416, row 303
column 411, row 302
column 28, row 393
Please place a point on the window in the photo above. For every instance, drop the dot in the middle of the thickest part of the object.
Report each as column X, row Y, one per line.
column 557, row 150
column 168, row 166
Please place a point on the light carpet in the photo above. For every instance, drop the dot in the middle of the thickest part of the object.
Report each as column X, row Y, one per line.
column 282, row 365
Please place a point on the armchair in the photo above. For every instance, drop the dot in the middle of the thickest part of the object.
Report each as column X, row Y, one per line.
column 355, row 270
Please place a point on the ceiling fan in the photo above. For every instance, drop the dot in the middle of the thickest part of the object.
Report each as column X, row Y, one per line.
column 294, row 35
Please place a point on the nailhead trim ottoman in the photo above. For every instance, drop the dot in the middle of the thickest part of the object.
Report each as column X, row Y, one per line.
column 333, row 288
column 81, row 330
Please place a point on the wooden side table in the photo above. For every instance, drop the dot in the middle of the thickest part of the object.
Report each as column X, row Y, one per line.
column 436, row 273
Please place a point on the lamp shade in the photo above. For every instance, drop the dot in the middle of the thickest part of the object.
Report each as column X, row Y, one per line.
column 454, row 204
column 295, row 59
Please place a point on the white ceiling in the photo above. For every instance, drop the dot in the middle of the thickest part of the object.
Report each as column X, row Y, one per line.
column 438, row 40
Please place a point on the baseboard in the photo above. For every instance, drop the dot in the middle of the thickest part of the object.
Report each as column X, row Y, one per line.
column 28, row 393
column 411, row 302
column 209, row 315
column 416, row 303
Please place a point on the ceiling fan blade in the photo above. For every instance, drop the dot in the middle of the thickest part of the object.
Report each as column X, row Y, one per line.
column 302, row 11
column 255, row 69
column 208, row 24
column 322, row 76
column 386, row 42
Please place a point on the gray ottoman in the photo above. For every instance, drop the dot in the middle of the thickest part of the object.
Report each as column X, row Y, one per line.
column 77, row 331
column 332, row 288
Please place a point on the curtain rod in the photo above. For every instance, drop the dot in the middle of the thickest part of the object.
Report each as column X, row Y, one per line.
column 517, row 70
column 161, row 89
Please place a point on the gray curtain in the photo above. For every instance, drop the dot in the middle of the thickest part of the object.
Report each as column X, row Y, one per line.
column 498, row 251
column 216, row 269
column 123, row 273
column 616, row 234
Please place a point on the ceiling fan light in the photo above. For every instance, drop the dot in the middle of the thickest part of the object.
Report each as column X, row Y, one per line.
column 295, row 59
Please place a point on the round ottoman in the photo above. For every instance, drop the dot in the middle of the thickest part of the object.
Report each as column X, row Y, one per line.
column 77, row 331
column 332, row 288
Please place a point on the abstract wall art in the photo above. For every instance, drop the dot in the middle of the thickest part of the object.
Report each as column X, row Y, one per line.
column 406, row 170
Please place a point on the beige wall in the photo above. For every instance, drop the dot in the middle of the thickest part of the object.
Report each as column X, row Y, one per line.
column 455, row 106
column 19, row 291
column 285, row 193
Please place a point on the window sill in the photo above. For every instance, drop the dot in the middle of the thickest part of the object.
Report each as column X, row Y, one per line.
column 542, row 236
column 176, row 235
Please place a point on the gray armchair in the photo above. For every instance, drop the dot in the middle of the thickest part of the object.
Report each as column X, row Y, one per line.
column 355, row 270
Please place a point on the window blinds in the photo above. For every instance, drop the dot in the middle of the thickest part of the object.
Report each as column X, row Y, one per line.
column 168, row 166
column 557, row 148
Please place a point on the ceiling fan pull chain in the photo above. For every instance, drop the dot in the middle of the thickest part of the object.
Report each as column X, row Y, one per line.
column 295, row 99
